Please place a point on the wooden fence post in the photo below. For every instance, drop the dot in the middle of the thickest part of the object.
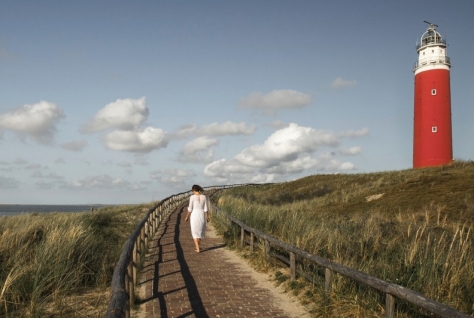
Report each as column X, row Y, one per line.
column 292, row 265
column 131, row 287
column 267, row 251
column 142, row 244
column 328, row 280
column 135, row 263
column 252, row 238
column 146, row 233
column 389, row 305
column 138, row 249
column 242, row 235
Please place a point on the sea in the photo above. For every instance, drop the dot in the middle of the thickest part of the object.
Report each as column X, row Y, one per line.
column 8, row 210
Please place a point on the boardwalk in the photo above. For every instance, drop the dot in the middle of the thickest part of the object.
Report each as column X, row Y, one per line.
column 178, row 282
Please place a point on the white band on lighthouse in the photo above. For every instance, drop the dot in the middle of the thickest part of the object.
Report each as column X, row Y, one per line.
column 431, row 66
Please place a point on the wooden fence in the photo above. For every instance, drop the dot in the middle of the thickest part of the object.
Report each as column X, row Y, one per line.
column 270, row 246
column 125, row 273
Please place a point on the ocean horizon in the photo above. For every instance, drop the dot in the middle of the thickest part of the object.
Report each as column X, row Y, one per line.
column 17, row 209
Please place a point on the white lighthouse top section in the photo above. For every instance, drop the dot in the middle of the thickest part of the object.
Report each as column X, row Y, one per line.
column 431, row 51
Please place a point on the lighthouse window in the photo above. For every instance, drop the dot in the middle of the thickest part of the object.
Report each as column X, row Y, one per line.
column 433, row 92
column 434, row 129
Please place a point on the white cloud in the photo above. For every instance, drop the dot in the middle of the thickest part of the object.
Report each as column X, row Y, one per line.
column 233, row 172
column 351, row 151
column 126, row 117
column 340, row 83
column 199, row 144
column 37, row 121
column 20, row 161
column 141, row 160
column 45, row 185
column 4, row 163
column 285, row 145
column 225, row 167
column 54, row 176
column 126, row 114
column 215, row 129
column 354, row 133
column 8, row 182
column 173, row 176
column 60, row 160
column 277, row 124
column 198, row 150
column 33, row 166
column 125, row 164
column 276, row 100
column 75, row 146
column 104, row 181
column 289, row 150
column 140, row 140
column 38, row 174
column 227, row 128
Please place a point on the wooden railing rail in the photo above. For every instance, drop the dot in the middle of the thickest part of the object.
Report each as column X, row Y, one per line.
column 125, row 273
column 389, row 289
column 124, row 277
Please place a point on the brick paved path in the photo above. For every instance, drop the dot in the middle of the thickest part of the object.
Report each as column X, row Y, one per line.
column 182, row 283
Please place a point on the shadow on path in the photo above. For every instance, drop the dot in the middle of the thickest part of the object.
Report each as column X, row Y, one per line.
column 191, row 287
column 179, row 283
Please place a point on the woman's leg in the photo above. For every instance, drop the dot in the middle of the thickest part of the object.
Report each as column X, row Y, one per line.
column 196, row 243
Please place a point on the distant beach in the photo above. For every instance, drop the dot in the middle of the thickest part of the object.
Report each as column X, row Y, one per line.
column 8, row 209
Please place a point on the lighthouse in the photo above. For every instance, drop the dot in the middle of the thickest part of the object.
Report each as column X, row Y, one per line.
column 432, row 134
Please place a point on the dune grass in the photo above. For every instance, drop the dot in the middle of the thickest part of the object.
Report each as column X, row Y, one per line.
column 57, row 264
column 411, row 227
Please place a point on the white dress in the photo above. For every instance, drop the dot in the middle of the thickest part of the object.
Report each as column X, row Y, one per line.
column 198, row 208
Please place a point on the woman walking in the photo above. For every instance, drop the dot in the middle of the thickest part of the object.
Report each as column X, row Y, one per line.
column 198, row 211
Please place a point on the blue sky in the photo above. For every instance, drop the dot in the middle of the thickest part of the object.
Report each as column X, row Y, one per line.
column 118, row 102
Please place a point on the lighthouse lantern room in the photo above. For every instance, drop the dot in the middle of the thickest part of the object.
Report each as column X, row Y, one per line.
column 432, row 136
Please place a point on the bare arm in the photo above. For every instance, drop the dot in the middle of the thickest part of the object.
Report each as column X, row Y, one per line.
column 206, row 209
column 188, row 213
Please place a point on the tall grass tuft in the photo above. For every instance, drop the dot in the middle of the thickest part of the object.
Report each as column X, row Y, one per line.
column 411, row 227
column 46, row 259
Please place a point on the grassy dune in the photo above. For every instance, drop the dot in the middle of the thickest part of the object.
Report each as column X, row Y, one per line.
column 60, row 264
column 411, row 227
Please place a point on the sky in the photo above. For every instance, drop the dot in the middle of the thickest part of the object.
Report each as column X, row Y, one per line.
column 124, row 102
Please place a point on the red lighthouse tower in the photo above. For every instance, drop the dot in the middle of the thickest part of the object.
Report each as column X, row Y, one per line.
column 432, row 138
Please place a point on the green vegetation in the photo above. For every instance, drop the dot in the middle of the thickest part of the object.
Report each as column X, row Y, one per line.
column 411, row 227
column 61, row 264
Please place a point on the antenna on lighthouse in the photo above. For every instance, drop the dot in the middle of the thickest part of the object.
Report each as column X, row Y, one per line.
column 431, row 24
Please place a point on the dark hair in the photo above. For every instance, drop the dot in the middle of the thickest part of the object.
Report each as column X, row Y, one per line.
column 198, row 189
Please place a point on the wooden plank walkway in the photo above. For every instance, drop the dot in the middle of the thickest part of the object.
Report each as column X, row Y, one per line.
column 176, row 281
